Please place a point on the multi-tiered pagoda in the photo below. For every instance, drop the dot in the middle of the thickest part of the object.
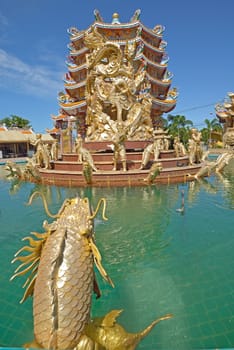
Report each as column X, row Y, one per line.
column 148, row 54
column 117, row 88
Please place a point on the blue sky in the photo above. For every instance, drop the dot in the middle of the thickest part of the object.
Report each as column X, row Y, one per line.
column 33, row 50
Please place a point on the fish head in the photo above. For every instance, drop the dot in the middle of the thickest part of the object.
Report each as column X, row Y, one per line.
column 79, row 213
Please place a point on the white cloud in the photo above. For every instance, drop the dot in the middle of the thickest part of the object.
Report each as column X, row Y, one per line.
column 28, row 79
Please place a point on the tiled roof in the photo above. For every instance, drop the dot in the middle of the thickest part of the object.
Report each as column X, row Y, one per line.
column 17, row 136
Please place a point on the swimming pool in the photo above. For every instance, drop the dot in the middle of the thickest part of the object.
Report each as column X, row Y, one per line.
column 161, row 261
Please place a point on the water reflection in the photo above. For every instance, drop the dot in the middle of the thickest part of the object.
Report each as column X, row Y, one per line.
column 227, row 180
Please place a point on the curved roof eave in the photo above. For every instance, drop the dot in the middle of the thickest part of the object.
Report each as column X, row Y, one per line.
column 117, row 25
column 165, row 105
column 73, row 86
column 222, row 115
column 76, row 68
column 80, row 34
column 153, row 48
column 158, row 82
column 127, row 25
column 151, row 32
column 72, row 105
column 79, row 52
column 158, row 65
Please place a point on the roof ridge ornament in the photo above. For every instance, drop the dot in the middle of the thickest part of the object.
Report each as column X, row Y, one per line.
column 98, row 17
column 159, row 29
column 136, row 16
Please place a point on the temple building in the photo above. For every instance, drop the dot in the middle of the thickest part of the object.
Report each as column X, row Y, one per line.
column 16, row 142
column 110, row 124
column 143, row 53
column 225, row 114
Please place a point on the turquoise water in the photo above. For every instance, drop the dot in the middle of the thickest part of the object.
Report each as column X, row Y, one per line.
column 160, row 260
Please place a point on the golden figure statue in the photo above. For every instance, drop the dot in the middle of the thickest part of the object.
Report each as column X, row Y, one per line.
column 194, row 147
column 54, row 150
column 154, row 171
column 38, row 150
column 87, row 172
column 42, row 155
column 179, row 147
column 165, row 143
column 83, row 154
column 119, row 151
column 153, row 148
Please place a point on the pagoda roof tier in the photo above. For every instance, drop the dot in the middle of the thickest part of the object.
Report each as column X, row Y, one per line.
column 154, row 64
column 165, row 83
column 223, row 116
column 75, row 68
column 129, row 25
column 75, row 85
column 135, row 24
column 153, row 48
column 156, row 32
column 75, row 34
column 59, row 117
column 82, row 51
column 80, row 34
column 164, row 106
column 69, row 106
column 53, row 131
column 122, row 42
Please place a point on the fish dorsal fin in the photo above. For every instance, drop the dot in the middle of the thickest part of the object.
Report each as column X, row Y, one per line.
column 109, row 319
column 30, row 262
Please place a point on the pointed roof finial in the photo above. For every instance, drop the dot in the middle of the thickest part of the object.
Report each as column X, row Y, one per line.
column 115, row 18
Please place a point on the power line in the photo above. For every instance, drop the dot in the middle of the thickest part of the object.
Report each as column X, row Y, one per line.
column 197, row 107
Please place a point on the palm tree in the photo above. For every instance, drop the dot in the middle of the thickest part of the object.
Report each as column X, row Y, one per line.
column 211, row 125
column 179, row 126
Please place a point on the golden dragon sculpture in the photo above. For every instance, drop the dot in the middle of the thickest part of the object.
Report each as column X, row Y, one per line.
column 61, row 279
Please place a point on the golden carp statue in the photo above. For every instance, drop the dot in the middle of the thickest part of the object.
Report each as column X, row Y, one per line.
column 60, row 263
column 61, row 277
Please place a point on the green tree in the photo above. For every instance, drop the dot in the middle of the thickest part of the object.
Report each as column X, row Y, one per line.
column 178, row 125
column 16, row 121
column 211, row 125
